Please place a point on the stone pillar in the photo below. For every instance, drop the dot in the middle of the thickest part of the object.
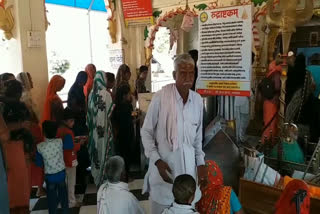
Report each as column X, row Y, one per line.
column 29, row 16
column 132, row 42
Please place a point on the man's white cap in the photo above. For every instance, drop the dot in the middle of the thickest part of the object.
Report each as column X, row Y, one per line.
column 290, row 53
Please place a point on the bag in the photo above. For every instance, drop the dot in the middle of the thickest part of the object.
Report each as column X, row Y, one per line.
column 267, row 88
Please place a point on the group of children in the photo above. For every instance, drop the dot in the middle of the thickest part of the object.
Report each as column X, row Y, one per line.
column 58, row 155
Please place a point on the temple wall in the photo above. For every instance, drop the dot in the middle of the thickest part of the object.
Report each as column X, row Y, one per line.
column 16, row 55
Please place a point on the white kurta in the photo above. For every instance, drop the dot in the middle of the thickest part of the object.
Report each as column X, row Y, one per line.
column 189, row 153
column 116, row 199
column 180, row 209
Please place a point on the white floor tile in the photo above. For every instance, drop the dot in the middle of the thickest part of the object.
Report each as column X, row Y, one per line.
column 136, row 184
column 88, row 210
column 32, row 203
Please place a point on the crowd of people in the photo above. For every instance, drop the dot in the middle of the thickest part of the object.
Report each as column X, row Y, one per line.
column 59, row 147
column 96, row 131
column 302, row 95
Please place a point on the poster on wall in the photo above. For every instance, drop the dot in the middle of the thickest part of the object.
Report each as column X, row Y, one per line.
column 225, row 51
column 137, row 12
column 116, row 58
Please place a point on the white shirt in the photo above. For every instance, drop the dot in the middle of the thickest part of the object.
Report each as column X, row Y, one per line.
column 52, row 154
column 189, row 153
column 115, row 198
column 180, row 209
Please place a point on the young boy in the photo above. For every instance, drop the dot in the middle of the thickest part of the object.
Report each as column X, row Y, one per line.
column 70, row 154
column 50, row 153
column 184, row 188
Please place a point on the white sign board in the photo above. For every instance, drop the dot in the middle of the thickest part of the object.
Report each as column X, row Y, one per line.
column 116, row 57
column 225, row 52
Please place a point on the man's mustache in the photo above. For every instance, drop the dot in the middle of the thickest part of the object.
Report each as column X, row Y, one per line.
column 188, row 83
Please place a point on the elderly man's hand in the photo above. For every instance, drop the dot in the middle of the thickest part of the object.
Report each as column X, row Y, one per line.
column 202, row 176
column 163, row 168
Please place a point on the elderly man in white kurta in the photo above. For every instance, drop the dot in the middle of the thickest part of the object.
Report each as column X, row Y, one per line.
column 172, row 136
column 114, row 196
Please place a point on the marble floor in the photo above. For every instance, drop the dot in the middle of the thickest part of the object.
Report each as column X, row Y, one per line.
column 88, row 195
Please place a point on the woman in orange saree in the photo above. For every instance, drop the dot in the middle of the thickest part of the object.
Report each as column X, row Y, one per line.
column 295, row 199
column 53, row 108
column 217, row 198
column 91, row 72
column 271, row 107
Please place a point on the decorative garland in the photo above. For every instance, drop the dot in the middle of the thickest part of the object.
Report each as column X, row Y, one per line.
column 260, row 10
column 150, row 32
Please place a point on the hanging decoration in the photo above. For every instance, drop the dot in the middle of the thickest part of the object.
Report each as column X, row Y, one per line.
column 188, row 21
column 156, row 13
column 111, row 11
column 168, row 17
column 2, row 3
column 258, row 2
column 6, row 20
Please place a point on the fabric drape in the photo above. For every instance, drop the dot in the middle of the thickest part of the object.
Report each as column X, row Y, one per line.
column 271, row 107
column 168, row 112
column 100, row 107
column 53, row 107
column 77, row 104
column 26, row 97
column 295, row 196
column 215, row 197
column 88, row 86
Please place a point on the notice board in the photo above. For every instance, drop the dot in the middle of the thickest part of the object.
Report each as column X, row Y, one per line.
column 225, row 52
column 137, row 12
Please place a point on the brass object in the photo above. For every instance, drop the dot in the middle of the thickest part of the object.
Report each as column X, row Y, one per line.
column 111, row 12
column 6, row 21
column 113, row 30
column 290, row 133
column 274, row 32
column 148, row 55
column 287, row 20
column 231, row 124
column 46, row 22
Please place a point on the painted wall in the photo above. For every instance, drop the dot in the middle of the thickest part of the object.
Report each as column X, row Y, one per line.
column 34, row 60
column 11, row 60
column 16, row 57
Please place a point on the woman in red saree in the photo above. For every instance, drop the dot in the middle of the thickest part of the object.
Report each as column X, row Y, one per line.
column 91, row 72
column 217, row 198
column 53, row 107
column 271, row 107
column 295, row 199
column 17, row 152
